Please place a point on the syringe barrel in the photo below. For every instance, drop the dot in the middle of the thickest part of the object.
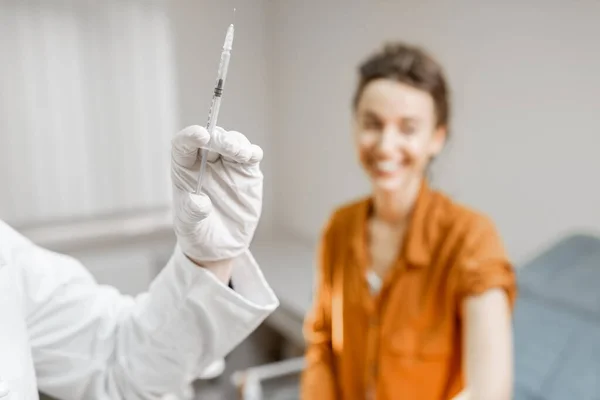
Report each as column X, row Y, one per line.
column 213, row 112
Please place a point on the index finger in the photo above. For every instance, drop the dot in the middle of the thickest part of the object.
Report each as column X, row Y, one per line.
column 234, row 146
column 186, row 143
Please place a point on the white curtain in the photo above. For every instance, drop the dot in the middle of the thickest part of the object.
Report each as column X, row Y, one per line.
column 87, row 108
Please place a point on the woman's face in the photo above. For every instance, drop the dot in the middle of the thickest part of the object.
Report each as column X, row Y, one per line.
column 396, row 134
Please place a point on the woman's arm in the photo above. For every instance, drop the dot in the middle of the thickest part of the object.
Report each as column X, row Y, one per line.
column 487, row 290
column 488, row 347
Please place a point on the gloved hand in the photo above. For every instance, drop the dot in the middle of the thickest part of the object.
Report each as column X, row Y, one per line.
column 219, row 223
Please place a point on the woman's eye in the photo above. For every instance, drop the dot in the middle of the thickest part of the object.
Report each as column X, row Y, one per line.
column 409, row 129
column 371, row 124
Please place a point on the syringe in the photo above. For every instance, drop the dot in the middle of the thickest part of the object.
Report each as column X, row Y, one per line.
column 213, row 113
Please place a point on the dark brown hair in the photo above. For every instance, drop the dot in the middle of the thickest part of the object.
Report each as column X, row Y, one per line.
column 412, row 66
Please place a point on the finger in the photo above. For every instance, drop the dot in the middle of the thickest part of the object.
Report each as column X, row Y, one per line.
column 185, row 144
column 235, row 147
column 257, row 154
column 195, row 208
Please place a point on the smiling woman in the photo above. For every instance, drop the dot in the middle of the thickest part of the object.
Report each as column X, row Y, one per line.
column 415, row 290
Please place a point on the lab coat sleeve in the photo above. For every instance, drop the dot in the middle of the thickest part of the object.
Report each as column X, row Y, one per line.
column 319, row 378
column 88, row 341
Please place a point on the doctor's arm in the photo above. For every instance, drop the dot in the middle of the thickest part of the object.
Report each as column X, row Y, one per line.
column 89, row 341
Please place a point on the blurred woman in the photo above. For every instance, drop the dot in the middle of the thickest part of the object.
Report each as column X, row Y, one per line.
column 415, row 291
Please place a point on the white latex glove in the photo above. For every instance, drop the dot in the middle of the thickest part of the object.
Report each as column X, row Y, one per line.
column 219, row 223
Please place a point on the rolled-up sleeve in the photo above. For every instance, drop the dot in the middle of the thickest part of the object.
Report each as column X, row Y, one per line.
column 484, row 264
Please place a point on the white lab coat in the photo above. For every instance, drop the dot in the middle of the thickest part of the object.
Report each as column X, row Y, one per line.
column 65, row 335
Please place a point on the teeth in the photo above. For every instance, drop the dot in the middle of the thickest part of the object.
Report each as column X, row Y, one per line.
column 387, row 166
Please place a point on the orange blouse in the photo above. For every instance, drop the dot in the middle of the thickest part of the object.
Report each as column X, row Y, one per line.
column 405, row 342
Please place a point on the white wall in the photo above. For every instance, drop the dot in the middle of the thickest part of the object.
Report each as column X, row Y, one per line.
column 199, row 32
column 526, row 98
